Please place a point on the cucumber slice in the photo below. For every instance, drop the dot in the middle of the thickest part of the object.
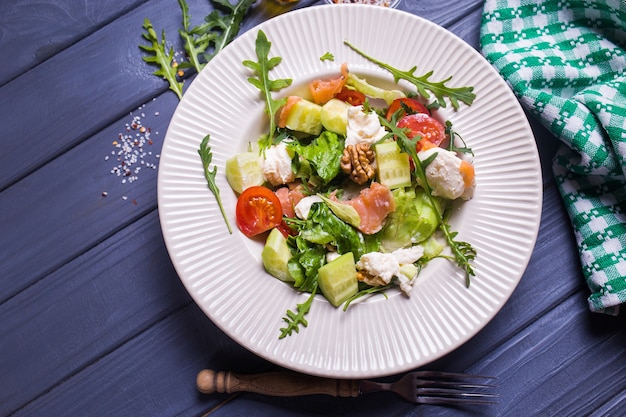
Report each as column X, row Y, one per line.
column 304, row 117
column 244, row 170
column 432, row 247
column 334, row 116
column 276, row 255
column 337, row 279
column 408, row 270
column 392, row 166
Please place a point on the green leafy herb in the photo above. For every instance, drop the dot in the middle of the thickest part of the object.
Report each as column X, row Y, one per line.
column 294, row 320
column 206, row 156
column 324, row 154
column 439, row 88
column 262, row 81
column 327, row 57
column 453, row 135
column 220, row 27
column 162, row 57
column 201, row 42
column 367, row 291
column 463, row 252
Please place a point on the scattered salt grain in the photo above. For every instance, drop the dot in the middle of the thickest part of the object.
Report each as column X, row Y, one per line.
column 131, row 153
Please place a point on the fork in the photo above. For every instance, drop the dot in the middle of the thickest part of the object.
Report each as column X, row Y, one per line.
column 420, row 387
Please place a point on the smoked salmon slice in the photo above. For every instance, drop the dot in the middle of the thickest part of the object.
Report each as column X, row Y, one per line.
column 373, row 204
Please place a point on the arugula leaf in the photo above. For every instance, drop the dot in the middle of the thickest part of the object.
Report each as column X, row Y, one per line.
column 439, row 89
column 327, row 57
column 206, row 156
column 263, row 82
column 463, row 252
column 365, row 292
column 294, row 320
column 452, row 134
column 221, row 26
column 201, row 42
column 161, row 56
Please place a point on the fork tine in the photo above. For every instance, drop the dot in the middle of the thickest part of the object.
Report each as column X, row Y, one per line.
column 452, row 401
column 459, row 376
column 451, row 384
column 452, row 396
column 453, row 393
column 448, row 388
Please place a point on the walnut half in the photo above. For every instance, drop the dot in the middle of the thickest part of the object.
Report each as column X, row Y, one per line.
column 357, row 161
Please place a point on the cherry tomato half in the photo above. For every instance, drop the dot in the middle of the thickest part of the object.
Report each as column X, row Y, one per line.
column 429, row 128
column 258, row 210
column 352, row 97
column 414, row 105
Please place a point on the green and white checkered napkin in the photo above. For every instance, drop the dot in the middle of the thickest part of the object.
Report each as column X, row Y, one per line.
column 566, row 62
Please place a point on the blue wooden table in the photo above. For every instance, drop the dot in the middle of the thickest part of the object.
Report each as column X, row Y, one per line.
column 94, row 320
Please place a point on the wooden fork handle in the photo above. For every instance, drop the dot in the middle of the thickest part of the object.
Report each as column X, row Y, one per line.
column 278, row 384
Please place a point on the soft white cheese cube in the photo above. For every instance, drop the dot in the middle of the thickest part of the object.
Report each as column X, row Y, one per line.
column 363, row 127
column 386, row 266
column 277, row 165
column 444, row 176
column 378, row 264
column 303, row 207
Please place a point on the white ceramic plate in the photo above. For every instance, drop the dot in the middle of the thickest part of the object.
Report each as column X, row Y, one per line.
column 223, row 272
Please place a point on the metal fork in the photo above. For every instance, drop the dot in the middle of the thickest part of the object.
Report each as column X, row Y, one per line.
column 420, row 387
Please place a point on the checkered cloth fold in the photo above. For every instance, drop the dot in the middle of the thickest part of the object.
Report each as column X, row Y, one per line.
column 566, row 62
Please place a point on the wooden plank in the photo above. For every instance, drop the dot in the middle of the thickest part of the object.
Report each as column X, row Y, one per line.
column 163, row 382
column 59, row 211
column 561, row 344
column 49, row 112
column 34, row 32
column 85, row 309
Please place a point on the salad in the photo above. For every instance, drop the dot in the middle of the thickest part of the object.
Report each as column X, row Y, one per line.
column 351, row 185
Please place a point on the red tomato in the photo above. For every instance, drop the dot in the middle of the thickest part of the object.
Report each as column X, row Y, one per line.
column 286, row 230
column 258, row 210
column 424, row 125
column 351, row 97
column 411, row 103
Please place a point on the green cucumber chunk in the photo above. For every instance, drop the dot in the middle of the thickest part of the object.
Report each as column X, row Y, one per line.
column 408, row 270
column 244, row 170
column 392, row 166
column 334, row 116
column 304, row 117
column 432, row 247
column 414, row 220
column 337, row 279
column 276, row 255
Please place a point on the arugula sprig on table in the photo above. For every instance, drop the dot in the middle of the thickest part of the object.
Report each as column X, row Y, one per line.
column 423, row 83
column 161, row 56
column 201, row 42
column 463, row 253
column 207, row 156
column 220, row 27
column 266, row 86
